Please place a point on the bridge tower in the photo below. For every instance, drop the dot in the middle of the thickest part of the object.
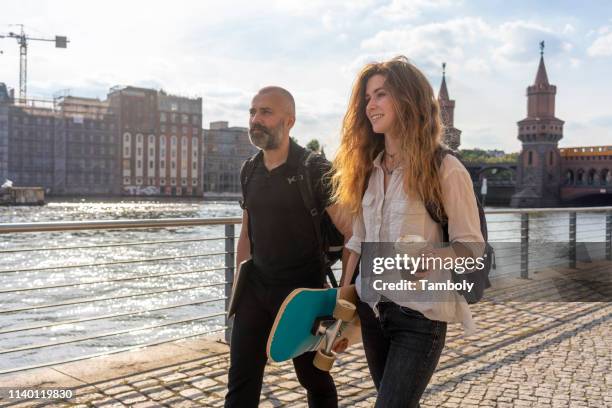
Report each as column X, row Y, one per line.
column 452, row 135
column 539, row 163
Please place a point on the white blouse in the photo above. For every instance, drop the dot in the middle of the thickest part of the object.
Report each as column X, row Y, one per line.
column 388, row 216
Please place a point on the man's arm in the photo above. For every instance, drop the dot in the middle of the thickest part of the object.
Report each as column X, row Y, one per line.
column 343, row 223
column 243, row 252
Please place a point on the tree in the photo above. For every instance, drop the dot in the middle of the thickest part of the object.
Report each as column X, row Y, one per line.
column 314, row 145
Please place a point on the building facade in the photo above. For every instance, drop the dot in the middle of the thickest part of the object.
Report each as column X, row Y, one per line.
column 67, row 145
column 136, row 142
column 225, row 149
column 85, row 159
column 161, row 142
column 5, row 100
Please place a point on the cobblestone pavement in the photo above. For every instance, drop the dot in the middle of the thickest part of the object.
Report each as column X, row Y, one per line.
column 535, row 354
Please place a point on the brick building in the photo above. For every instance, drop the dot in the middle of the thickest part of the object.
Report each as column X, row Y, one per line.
column 452, row 135
column 225, row 149
column 161, row 142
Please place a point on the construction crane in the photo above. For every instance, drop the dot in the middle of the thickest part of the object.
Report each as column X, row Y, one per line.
column 22, row 40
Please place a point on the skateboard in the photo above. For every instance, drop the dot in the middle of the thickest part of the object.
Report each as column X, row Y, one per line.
column 315, row 319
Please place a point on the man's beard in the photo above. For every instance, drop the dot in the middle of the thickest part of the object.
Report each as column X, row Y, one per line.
column 265, row 138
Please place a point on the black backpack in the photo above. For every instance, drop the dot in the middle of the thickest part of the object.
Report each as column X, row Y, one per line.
column 480, row 278
column 331, row 240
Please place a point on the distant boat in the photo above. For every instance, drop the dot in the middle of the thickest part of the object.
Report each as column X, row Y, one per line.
column 10, row 195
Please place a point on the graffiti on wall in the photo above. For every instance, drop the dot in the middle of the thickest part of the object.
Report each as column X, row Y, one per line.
column 140, row 190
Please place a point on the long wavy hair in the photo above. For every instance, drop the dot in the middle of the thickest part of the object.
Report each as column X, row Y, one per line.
column 418, row 125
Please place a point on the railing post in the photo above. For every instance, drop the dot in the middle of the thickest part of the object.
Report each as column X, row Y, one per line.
column 525, row 245
column 609, row 236
column 229, row 274
column 572, row 239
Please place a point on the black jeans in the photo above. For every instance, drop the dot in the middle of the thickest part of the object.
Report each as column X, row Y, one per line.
column 252, row 324
column 402, row 348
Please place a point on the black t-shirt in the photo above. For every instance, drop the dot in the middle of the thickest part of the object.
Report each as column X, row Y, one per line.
column 285, row 247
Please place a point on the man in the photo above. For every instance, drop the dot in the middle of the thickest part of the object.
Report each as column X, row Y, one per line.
column 286, row 252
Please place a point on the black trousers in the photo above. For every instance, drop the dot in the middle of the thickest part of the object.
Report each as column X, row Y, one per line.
column 252, row 324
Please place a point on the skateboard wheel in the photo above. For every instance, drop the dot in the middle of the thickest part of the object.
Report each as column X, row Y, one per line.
column 323, row 361
column 344, row 310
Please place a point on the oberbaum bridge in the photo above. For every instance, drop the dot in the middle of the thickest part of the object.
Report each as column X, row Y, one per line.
column 544, row 175
column 132, row 312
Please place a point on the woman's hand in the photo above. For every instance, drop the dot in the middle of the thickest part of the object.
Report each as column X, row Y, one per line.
column 340, row 346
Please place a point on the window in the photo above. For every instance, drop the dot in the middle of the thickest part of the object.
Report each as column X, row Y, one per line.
column 530, row 158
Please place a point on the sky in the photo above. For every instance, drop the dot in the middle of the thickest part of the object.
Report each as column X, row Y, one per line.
column 224, row 51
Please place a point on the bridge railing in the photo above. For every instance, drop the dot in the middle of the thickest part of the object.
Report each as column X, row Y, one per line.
column 75, row 290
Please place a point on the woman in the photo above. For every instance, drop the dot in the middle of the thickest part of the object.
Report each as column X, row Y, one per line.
column 385, row 172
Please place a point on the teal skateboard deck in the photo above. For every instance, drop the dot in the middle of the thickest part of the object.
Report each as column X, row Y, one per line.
column 292, row 332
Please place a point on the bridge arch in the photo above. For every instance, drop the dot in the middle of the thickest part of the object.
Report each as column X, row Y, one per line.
column 569, row 177
column 496, row 172
column 591, row 177
column 580, row 177
column 605, row 177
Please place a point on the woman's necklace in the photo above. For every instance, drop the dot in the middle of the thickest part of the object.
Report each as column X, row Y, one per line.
column 385, row 167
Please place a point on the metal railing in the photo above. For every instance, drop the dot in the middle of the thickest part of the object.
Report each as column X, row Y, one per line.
column 24, row 325
column 37, row 330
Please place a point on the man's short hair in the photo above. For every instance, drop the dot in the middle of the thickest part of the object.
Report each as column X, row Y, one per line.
column 282, row 92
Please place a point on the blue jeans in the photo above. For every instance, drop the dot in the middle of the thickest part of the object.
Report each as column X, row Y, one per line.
column 402, row 348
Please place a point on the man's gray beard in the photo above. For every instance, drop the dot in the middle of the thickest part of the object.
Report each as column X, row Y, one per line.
column 265, row 140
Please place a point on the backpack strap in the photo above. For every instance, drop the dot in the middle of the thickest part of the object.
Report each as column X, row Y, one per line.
column 308, row 197
column 246, row 173
column 432, row 207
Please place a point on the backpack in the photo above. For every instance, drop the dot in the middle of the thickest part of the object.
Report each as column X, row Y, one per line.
column 480, row 278
column 330, row 239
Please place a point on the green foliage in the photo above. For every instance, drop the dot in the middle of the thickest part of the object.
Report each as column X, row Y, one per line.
column 314, row 145
column 482, row 156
